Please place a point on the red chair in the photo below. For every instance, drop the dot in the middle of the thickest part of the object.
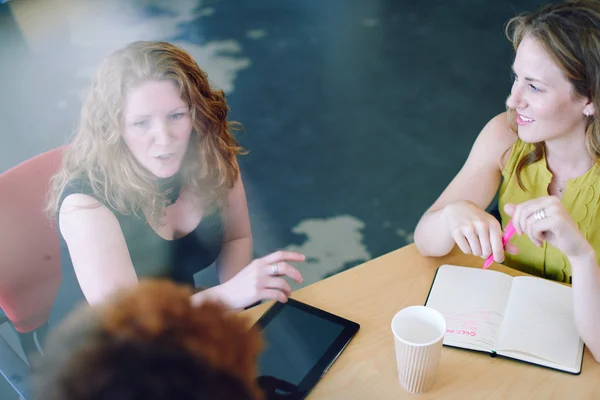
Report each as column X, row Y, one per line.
column 29, row 257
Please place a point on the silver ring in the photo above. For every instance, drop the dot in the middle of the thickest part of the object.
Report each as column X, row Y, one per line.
column 540, row 214
column 275, row 269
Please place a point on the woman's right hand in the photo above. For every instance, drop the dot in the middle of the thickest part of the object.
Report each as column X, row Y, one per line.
column 262, row 279
column 474, row 230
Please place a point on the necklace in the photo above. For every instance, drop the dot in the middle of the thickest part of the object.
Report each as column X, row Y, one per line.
column 170, row 188
column 560, row 187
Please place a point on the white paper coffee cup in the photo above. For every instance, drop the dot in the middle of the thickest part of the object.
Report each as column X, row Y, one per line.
column 418, row 336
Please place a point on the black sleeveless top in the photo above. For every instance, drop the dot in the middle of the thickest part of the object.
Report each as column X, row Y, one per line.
column 151, row 255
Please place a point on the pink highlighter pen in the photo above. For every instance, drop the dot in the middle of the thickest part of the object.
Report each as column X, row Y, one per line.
column 508, row 233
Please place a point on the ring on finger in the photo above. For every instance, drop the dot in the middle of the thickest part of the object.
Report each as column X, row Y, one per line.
column 540, row 214
column 275, row 269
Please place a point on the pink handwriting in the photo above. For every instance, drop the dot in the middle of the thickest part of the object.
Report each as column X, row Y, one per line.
column 461, row 332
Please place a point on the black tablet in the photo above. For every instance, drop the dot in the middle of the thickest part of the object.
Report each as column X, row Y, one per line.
column 301, row 343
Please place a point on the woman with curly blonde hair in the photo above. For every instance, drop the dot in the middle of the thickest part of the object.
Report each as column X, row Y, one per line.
column 151, row 187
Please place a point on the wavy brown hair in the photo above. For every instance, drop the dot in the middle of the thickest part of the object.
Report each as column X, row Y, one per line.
column 150, row 343
column 99, row 155
column 570, row 32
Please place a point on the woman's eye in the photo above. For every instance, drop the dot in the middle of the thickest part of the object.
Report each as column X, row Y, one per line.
column 177, row 116
column 140, row 124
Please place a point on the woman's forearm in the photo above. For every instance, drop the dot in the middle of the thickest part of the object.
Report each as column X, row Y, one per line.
column 235, row 255
column 212, row 294
column 586, row 299
column 431, row 235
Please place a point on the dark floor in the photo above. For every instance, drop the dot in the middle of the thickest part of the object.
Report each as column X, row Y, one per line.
column 357, row 113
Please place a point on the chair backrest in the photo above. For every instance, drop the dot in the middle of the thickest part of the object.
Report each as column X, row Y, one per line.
column 29, row 244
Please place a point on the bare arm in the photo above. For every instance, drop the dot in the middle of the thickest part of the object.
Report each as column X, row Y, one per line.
column 476, row 182
column 586, row 299
column 237, row 236
column 246, row 281
column 97, row 247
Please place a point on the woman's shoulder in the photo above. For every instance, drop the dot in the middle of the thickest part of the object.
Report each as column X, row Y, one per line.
column 82, row 214
column 499, row 138
column 78, row 194
column 77, row 186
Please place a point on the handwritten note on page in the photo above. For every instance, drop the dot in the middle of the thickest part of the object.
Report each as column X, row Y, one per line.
column 472, row 301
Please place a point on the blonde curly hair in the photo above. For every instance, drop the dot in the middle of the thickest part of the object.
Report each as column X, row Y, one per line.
column 99, row 155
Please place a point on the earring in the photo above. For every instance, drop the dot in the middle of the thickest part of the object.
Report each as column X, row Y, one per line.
column 586, row 113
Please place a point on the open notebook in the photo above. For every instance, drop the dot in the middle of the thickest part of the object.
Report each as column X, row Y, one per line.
column 524, row 318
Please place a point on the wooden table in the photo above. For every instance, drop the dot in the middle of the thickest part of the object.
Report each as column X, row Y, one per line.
column 373, row 292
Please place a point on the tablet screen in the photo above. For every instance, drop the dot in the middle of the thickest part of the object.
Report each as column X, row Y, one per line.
column 301, row 342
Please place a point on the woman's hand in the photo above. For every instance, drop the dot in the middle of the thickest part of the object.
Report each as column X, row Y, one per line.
column 474, row 230
column 546, row 219
column 262, row 279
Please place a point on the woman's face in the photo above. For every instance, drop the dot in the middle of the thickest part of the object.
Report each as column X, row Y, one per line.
column 543, row 97
column 157, row 126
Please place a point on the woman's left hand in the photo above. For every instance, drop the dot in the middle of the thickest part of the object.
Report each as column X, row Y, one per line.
column 546, row 219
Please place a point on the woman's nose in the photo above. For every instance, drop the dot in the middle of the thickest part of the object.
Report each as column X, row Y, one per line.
column 515, row 99
column 162, row 134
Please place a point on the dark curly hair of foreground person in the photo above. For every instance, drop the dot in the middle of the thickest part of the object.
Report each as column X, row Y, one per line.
column 150, row 343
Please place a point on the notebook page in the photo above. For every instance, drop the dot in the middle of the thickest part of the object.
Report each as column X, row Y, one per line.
column 539, row 321
column 472, row 301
